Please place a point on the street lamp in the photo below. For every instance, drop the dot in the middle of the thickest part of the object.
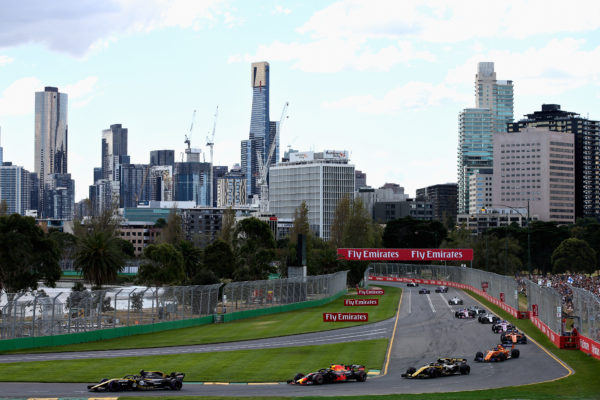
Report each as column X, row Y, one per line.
column 528, row 237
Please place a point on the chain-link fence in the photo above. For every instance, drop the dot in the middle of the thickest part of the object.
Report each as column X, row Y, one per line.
column 586, row 309
column 494, row 284
column 240, row 296
column 60, row 311
column 40, row 314
column 545, row 303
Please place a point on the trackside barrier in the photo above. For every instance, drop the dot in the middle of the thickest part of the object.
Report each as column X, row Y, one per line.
column 586, row 344
column 100, row 334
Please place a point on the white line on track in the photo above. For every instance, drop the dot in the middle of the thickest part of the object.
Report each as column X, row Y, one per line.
column 410, row 301
column 430, row 303
column 445, row 301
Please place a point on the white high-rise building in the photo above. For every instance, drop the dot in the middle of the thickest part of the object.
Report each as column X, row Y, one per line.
column 536, row 167
column 319, row 179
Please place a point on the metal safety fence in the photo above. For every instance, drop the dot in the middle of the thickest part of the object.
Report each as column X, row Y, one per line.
column 497, row 286
column 545, row 303
column 31, row 314
column 241, row 296
column 586, row 312
column 51, row 312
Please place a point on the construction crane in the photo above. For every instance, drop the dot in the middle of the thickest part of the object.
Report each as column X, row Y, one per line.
column 210, row 142
column 264, row 167
column 188, row 139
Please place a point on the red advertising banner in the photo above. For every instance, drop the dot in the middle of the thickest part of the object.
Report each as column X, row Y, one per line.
column 534, row 310
column 502, row 297
column 345, row 317
column 405, row 254
column 369, row 292
column 361, row 302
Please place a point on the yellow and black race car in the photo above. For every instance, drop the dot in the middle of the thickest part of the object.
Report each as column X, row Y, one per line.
column 442, row 367
column 146, row 380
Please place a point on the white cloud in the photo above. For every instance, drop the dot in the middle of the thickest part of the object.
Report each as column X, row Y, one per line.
column 74, row 26
column 279, row 9
column 334, row 55
column 559, row 66
column 5, row 60
column 412, row 96
column 18, row 98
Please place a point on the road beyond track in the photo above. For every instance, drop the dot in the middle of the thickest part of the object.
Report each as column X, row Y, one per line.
column 426, row 330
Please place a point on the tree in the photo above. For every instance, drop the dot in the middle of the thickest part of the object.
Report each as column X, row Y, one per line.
column 160, row 223
column 27, row 255
column 255, row 249
column 573, row 255
column 219, row 259
column 126, row 248
column 164, row 266
column 340, row 218
column 172, row 233
column 99, row 257
column 359, row 230
column 588, row 229
column 192, row 258
column 227, row 226
column 301, row 225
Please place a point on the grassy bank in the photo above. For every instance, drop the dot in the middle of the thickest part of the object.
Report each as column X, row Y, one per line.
column 266, row 365
column 295, row 322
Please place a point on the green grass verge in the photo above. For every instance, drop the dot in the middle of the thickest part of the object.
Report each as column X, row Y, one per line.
column 266, row 365
column 290, row 323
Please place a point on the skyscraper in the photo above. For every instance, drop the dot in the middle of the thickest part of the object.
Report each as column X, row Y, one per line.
column 114, row 151
column 14, row 188
column 50, row 136
column 587, row 153
column 262, row 131
column 494, row 110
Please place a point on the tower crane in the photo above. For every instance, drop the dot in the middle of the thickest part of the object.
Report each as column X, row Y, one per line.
column 264, row 167
column 210, row 142
column 189, row 138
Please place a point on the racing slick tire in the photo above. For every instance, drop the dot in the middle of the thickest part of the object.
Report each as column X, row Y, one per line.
column 501, row 357
column 479, row 355
column 298, row 376
column 176, row 385
column 318, row 379
column 114, row 387
column 362, row 376
column 411, row 371
column 515, row 353
column 464, row 370
column 433, row 373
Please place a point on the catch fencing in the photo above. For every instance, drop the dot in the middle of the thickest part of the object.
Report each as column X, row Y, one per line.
column 242, row 296
column 545, row 304
column 497, row 286
column 586, row 308
column 61, row 311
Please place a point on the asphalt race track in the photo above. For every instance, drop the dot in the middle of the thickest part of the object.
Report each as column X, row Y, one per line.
column 426, row 330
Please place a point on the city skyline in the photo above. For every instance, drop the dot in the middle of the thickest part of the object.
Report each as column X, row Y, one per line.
column 385, row 81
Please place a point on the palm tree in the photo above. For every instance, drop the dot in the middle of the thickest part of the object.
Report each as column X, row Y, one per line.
column 99, row 258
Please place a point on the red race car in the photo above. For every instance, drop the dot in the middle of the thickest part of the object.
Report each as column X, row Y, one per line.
column 335, row 373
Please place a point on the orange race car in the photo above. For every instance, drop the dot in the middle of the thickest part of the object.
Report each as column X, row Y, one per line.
column 513, row 336
column 498, row 353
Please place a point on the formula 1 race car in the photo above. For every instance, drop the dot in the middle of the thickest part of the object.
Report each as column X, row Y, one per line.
column 441, row 289
column 502, row 326
column 335, row 373
column 424, row 291
column 488, row 318
column 476, row 310
column 412, row 284
column 146, row 380
column 455, row 301
column 443, row 367
column 513, row 336
column 498, row 353
column 464, row 313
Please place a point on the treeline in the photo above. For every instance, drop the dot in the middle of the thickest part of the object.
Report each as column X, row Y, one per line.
column 247, row 250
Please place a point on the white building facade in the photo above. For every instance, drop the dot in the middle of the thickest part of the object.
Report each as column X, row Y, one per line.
column 319, row 179
column 536, row 166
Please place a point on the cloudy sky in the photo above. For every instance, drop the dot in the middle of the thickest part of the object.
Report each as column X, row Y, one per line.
column 384, row 80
